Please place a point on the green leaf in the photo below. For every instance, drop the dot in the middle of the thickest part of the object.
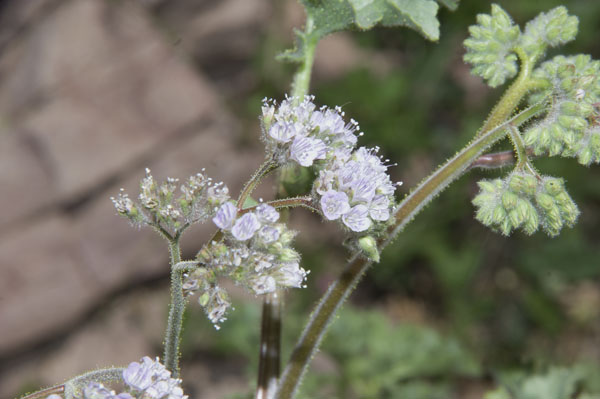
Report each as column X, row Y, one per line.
column 335, row 15
column 329, row 16
column 452, row 5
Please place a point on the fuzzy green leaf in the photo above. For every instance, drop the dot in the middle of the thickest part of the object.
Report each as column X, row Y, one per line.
column 334, row 15
column 452, row 5
column 329, row 16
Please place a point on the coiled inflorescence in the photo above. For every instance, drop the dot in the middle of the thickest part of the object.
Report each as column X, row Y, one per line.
column 159, row 206
column 144, row 380
column 353, row 185
column 296, row 131
column 526, row 201
column 571, row 127
column 495, row 41
column 356, row 189
column 255, row 252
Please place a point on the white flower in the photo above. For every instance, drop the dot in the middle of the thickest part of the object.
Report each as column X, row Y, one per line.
column 264, row 285
column 245, row 227
column 358, row 218
column 225, row 216
column 266, row 213
column 334, row 204
column 305, row 150
column 292, row 275
column 379, row 208
column 284, row 131
column 268, row 234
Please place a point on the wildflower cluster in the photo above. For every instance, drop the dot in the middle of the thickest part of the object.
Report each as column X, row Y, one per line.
column 571, row 127
column 255, row 252
column 302, row 133
column 526, row 201
column 158, row 206
column 148, row 379
column 355, row 188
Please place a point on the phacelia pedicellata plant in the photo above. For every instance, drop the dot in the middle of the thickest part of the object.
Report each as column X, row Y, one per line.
column 253, row 246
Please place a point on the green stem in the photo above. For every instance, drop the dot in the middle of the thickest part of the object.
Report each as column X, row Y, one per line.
column 176, row 310
column 337, row 293
column 264, row 169
column 304, row 202
column 513, row 95
column 301, row 82
column 58, row 389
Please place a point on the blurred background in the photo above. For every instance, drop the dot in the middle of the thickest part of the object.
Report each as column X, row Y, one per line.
column 94, row 91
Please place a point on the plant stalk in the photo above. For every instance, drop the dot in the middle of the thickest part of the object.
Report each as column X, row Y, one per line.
column 341, row 288
column 176, row 310
column 270, row 353
column 301, row 82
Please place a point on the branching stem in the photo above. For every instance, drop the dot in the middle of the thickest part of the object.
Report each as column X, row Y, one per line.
column 341, row 288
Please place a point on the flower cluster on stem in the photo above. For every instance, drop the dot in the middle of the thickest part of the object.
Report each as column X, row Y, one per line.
column 255, row 252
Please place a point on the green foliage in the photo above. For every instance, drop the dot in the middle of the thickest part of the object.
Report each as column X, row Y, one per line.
column 329, row 16
column 557, row 383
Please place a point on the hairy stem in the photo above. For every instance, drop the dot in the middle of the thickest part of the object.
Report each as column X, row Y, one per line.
column 176, row 310
column 270, row 346
column 341, row 288
column 285, row 203
column 268, row 166
column 42, row 393
column 301, row 82
column 513, row 95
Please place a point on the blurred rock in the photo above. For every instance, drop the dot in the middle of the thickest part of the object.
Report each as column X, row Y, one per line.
column 91, row 93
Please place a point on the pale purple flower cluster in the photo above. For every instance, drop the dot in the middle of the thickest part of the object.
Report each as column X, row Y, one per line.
column 356, row 188
column 159, row 205
column 262, row 246
column 95, row 390
column 148, row 379
column 255, row 252
column 298, row 131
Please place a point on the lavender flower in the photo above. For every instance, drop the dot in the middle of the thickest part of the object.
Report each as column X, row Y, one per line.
column 266, row 213
column 150, row 379
column 297, row 131
column 245, row 227
column 95, row 390
column 355, row 187
column 305, row 150
column 358, row 218
column 334, row 204
column 255, row 253
column 225, row 216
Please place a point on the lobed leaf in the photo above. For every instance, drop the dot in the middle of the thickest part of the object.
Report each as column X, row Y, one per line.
column 329, row 16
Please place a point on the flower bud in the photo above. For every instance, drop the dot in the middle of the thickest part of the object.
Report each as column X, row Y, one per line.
column 368, row 245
